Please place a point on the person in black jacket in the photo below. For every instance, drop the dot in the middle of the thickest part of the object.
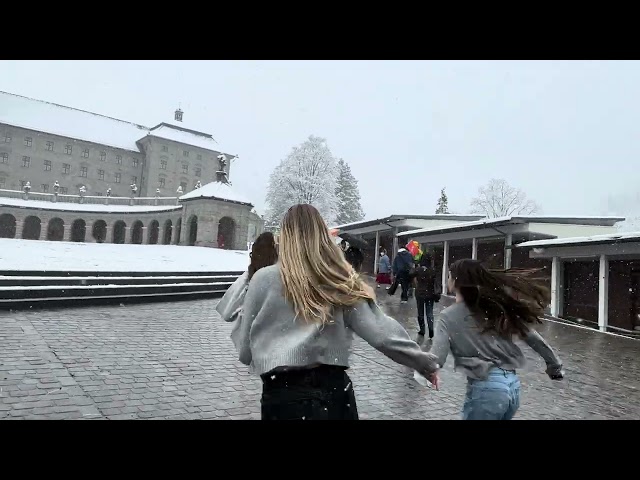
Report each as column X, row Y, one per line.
column 402, row 266
column 424, row 280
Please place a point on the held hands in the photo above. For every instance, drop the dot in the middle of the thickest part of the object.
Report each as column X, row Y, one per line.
column 435, row 380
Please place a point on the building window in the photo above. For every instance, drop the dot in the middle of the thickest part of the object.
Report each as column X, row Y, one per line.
column 4, row 158
column 185, row 153
column 28, row 141
column 165, row 148
column 119, row 159
column 198, row 172
column 83, row 172
column 117, row 178
column 63, row 190
column 50, row 146
column 26, row 162
column 135, row 163
column 101, row 174
column 45, row 188
column 103, row 156
column 2, row 182
column 47, row 165
column 134, row 180
column 161, row 182
column 85, row 153
column 66, row 168
column 7, row 138
column 163, row 164
column 184, row 186
column 68, row 149
column 185, row 168
column 199, row 157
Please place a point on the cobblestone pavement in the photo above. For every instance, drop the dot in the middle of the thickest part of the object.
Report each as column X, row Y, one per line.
column 176, row 361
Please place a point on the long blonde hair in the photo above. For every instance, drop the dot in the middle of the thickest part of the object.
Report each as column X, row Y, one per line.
column 314, row 272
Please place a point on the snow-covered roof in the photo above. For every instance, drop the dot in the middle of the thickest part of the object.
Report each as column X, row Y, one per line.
column 494, row 222
column 180, row 134
column 593, row 240
column 217, row 191
column 84, row 207
column 108, row 257
column 395, row 218
column 69, row 122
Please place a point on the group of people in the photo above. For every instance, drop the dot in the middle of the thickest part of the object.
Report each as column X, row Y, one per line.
column 295, row 312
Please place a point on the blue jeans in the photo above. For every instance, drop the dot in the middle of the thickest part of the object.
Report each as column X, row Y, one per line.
column 496, row 398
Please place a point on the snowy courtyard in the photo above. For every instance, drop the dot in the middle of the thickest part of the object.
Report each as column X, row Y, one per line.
column 105, row 257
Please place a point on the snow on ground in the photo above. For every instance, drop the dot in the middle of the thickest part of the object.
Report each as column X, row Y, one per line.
column 107, row 257
column 84, row 207
column 222, row 191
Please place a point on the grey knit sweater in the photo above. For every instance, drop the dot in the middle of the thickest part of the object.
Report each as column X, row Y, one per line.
column 269, row 337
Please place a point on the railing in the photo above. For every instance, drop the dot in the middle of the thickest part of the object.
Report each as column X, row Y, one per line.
column 53, row 197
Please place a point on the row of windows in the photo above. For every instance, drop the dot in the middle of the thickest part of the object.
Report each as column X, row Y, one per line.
column 68, row 149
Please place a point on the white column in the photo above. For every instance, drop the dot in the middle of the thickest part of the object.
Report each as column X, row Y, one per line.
column 145, row 236
column 508, row 242
column 474, row 248
column 174, row 233
column 556, row 287
column 128, row 231
column 377, row 254
column 395, row 244
column 603, row 294
column 445, row 267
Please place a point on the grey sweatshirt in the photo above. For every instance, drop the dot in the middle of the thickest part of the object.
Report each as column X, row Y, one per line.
column 270, row 337
column 230, row 306
column 476, row 352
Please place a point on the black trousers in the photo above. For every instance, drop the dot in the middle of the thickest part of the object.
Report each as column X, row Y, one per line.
column 403, row 280
column 320, row 393
column 425, row 307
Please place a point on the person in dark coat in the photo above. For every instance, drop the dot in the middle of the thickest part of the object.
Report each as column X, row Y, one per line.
column 353, row 255
column 402, row 267
column 424, row 280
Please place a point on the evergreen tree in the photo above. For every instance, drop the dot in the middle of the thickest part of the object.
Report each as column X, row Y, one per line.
column 443, row 203
column 348, row 196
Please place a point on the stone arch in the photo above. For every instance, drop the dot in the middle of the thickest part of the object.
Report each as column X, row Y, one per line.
column 192, row 235
column 168, row 230
column 154, row 232
column 136, row 232
column 7, row 226
column 78, row 230
column 55, row 230
column 178, row 231
column 226, row 233
column 32, row 228
column 119, row 232
column 99, row 231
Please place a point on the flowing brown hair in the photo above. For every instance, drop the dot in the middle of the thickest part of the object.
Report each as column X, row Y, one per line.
column 508, row 303
column 263, row 253
column 315, row 274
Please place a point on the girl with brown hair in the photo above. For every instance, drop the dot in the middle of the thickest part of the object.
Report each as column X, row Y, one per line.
column 299, row 315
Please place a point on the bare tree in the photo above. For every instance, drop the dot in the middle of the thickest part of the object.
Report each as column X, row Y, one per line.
column 499, row 199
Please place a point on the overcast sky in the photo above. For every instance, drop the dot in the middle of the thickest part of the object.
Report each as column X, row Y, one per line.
column 566, row 132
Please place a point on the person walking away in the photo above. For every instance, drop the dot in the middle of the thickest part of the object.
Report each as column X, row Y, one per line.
column 491, row 309
column 401, row 268
column 383, row 276
column 263, row 253
column 424, row 280
column 298, row 324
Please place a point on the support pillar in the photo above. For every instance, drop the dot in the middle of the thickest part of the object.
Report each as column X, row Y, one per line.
column 603, row 294
column 174, row 233
column 376, row 257
column 67, row 232
column 445, row 267
column 508, row 244
column 19, row 228
column 556, row 288
column 474, row 248
column 127, row 234
column 395, row 245
column 108, row 234
column 145, row 237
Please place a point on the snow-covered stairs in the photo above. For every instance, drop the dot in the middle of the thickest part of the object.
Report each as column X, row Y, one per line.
column 22, row 289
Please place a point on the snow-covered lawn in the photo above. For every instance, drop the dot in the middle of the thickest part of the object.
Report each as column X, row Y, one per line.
column 103, row 257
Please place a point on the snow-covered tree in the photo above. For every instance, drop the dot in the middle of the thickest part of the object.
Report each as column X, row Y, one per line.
column 348, row 195
column 499, row 199
column 443, row 203
column 306, row 175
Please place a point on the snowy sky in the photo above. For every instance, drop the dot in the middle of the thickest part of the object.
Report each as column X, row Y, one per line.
column 566, row 132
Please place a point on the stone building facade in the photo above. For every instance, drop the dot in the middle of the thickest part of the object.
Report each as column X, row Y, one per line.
column 42, row 143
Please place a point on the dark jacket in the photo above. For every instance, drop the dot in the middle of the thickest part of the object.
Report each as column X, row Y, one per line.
column 354, row 256
column 403, row 262
column 425, row 283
